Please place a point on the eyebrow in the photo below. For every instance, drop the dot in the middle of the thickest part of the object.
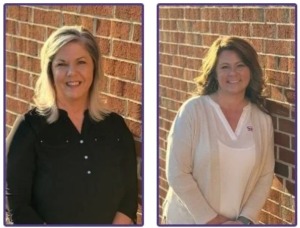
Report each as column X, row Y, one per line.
column 63, row 60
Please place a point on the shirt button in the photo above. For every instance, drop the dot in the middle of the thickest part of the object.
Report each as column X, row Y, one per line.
column 81, row 141
column 86, row 157
column 88, row 172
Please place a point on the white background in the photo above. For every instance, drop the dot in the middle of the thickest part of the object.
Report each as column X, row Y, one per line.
column 150, row 94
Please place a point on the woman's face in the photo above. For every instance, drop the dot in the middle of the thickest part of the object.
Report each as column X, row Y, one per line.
column 72, row 69
column 233, row 74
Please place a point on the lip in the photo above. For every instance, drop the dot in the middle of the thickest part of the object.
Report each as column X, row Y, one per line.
column 233, row 81
column 73, row 83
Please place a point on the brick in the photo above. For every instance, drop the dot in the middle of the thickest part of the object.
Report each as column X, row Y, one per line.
column 276, row 93
column 88, row 23
column 16, row 106
column 98, row 10
column 134, row 127
column 291, row 65
column 11, row 88
column 193, row 39
column 206, row 26
column 119, row 68
column 278, row 78
column 288, row 215
column 286, row 31
column 192, row 13
column 277, row 15
column 264, row 30
column 278, row 108
column 25, row 93
column 29, row 64
column 11, row 27
column 278, row 47
column 272, row 207
column 120, row 30
column 219, row 28
column 133, row 91
column 115, row 104
column 190, row 51
column 137, row 33
column 49, row 18
column 23, row 78
column 129, row 51
column 70, row 8
column 71, row 19
column 163, row 12
column 140, row 76
column 282, row 139
column 135, row 110
column 291, row 187
column 104, row 45
column 116, row 87
column 129, row 12
column 287, row 156
column 253, row 15
column 176, row 13
column 168, row 48
column 293, row 143
column 210, row 14
column 290, row 96
column 10, row 119
column 34, row 32
column 231, row 14
column 10, row 74
column 11, row 59
column 239, row 29
column 281, row 169
column 104, row 27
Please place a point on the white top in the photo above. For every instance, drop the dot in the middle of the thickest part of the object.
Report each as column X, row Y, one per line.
column 237, row 159
column 194, row 169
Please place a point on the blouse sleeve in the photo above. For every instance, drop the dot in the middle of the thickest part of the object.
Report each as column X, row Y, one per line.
column 179, row 165
column 261, row 190
column 129, row 203
column 20, row 173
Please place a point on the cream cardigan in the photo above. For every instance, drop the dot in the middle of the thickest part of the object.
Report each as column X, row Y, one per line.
column 192, row 167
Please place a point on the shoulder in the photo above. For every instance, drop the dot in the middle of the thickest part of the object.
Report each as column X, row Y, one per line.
column 193, row 104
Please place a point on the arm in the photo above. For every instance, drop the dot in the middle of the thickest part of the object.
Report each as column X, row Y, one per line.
column 179, row 165
column 20, row 172
column 261, row 190
column 121, row 219
column 128, row 207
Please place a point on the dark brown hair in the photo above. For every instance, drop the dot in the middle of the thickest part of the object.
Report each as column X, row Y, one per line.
column 207, row 82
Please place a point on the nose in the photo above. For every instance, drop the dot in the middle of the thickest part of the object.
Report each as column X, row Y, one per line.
column 70, row 70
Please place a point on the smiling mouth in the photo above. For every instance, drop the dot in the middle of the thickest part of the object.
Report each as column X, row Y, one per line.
column 233, row 82
column 73, row 83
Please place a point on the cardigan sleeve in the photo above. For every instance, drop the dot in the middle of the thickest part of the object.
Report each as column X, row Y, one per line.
column 261, row 189
column 179, row 165
column 20, row 173
column 128, row 205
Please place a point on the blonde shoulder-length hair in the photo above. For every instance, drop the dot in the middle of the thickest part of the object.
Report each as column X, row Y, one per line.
column 45, row 95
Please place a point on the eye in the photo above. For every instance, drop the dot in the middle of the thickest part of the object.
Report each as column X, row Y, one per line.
column 82, row 62
column 241, row 65
column 224, row 67
column 61, row 64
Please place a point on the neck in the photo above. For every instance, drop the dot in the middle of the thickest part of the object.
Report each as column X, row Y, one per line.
column 74, row 107
column 229, row 101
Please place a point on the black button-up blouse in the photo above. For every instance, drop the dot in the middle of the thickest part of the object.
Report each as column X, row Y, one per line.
column 56, row 175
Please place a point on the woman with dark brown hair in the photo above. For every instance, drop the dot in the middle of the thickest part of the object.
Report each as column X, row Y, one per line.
column 220, row 157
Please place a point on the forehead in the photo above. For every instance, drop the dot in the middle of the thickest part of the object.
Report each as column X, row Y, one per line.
column 229, row 56
column 72, row 49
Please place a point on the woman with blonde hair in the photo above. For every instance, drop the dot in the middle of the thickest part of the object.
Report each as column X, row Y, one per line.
column 220, row 157
column 70, row 160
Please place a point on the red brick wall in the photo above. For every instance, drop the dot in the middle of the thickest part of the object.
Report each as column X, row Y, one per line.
column 118, row 29
column 186, row 32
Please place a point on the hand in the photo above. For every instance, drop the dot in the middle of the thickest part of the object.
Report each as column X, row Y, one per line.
column 235, row 222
